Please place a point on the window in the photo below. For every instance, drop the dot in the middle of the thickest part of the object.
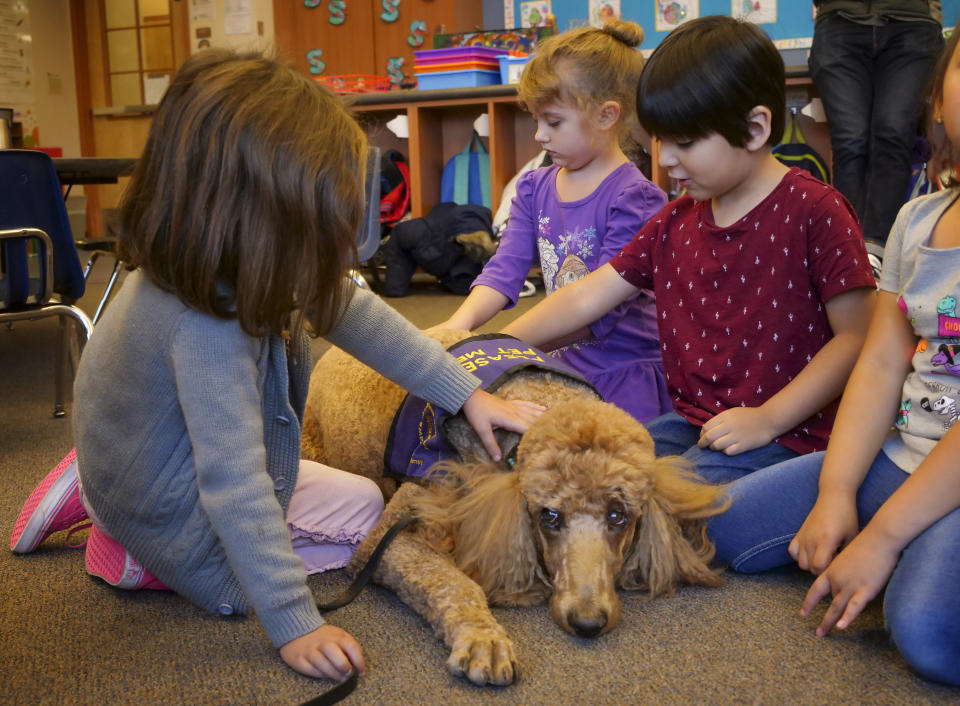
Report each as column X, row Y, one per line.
column 139, row 43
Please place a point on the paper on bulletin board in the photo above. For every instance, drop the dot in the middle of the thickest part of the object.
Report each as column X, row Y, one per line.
column 16, row 56
column 673, row 13
column 602, row 11
column 756, row 11
column 534, row 13
column 238, row 16
column 508, row 17
column 203, row 11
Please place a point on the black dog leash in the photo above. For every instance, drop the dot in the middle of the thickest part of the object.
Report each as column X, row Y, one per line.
column 363, row 578
column 346, row 687
column 337, row 693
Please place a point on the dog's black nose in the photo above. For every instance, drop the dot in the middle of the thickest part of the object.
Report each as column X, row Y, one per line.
column 587, row 625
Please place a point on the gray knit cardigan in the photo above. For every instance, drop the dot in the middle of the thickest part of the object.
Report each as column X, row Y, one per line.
column 188, row 441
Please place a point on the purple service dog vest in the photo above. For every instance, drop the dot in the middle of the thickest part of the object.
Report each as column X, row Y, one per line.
column 415, row 442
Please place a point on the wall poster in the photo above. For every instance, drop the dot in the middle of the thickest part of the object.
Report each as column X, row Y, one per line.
column 673, row 13
column 756, row 11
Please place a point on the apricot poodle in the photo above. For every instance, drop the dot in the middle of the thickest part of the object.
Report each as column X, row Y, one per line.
column 586, row 509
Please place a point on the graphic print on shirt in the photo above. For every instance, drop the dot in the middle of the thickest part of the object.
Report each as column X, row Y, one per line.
column 944, row 406
column 949, row 324
column 903, row 420
column 565, row 261
column 568, row 259
column 947, row 355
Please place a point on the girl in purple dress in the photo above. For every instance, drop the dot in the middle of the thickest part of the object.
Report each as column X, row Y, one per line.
column 573, row 216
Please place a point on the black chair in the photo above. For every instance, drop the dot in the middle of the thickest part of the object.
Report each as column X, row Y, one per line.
column 40, row 272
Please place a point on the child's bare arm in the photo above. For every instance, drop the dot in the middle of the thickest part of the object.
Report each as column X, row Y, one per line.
column 866, row 412
column 861, row 570
column 572, row 307
column 741, row 429
column 477, row 309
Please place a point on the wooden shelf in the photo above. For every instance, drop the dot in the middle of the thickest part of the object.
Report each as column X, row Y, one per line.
column 440, row 124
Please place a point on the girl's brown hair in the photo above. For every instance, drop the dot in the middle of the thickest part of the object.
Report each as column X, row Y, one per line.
column 945, row 154
column 249, row 194
column 586, row 67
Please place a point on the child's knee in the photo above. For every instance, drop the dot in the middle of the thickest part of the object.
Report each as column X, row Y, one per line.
column 369, row 501
column 928, row 641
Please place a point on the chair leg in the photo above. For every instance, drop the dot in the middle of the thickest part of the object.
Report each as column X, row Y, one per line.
column 93, row 258
column 59, row 374
column 80, row 332
column 108, row 290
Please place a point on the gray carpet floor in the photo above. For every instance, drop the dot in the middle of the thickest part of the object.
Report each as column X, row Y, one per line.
column 67, row 638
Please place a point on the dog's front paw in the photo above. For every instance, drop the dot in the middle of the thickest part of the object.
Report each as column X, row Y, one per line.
column 483, row 656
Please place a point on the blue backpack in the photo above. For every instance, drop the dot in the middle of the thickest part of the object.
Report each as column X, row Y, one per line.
column 466, row 176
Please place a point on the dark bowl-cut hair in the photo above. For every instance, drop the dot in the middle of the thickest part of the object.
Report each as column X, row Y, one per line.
column 248, row 196
column 706, row 76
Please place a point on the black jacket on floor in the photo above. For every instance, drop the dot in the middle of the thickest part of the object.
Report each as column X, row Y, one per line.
column 430, row 242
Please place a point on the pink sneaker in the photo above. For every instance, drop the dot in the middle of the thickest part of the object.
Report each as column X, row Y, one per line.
column 53, row 505
column 106, row 558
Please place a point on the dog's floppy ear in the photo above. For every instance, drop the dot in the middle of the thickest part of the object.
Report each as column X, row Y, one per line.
column 671, row 546
column 461, row 436
column 495, row 544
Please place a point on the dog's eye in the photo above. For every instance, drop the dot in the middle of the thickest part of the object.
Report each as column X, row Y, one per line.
column 550, row 519
column 616, row 516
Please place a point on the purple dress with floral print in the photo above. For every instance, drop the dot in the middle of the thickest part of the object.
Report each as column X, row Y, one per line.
column 569, row 239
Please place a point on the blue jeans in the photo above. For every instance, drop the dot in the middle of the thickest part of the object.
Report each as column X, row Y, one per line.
column 871, row 80
column 675, row 436
column 921, row 605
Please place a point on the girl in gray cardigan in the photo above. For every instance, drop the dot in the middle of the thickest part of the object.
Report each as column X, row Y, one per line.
column 240, row 220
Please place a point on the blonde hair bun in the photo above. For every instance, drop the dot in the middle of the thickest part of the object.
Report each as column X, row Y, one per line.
column 630, row 33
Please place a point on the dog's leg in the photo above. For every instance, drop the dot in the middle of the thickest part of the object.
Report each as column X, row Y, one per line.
column 454, row 605
column 431, row 584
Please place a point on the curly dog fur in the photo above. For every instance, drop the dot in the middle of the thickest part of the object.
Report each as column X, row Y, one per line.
column 586, row 510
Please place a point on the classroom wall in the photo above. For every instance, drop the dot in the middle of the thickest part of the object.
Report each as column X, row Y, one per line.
column 54, row 117
column 51, row 117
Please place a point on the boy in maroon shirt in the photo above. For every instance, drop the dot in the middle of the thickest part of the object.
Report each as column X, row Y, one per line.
column 763, row 287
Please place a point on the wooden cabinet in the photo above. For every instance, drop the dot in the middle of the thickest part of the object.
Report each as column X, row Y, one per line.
column 362, row 37
column 441, row 123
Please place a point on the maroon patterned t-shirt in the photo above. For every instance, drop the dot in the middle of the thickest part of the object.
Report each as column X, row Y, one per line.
column 741, row 309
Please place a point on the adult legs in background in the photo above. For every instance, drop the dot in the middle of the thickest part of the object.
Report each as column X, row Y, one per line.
column 872, row 80
column 841, row 65
column 330, row 513
column 674, row 435
column 906, row 55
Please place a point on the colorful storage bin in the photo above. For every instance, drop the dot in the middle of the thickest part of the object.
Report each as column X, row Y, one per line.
column 457, row 67
column 511, row 67
column 445, row 56
column 457, row 79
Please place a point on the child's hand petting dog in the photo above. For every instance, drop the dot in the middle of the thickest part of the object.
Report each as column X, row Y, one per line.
column 485, row 411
